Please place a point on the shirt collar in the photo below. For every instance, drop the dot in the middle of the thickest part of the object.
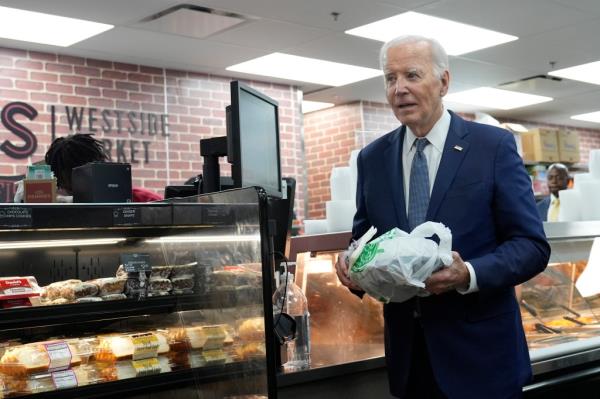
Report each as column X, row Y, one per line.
column 436, row 136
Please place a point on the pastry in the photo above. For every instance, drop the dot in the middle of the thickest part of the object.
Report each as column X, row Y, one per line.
column 109, row 285
column 252, row 329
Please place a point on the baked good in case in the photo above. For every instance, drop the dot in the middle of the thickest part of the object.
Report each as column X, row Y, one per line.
column 28, row 359
column 53, row 291
column 161, row 271
column 160, row 285
column 109, row 285
column 186, row 270
column 252, row 329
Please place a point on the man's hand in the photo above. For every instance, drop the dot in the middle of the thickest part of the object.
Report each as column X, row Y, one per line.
column 341, row 269
column 449, row 278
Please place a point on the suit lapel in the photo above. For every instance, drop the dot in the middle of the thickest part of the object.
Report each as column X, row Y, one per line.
column 454, row 152
column 393, row 163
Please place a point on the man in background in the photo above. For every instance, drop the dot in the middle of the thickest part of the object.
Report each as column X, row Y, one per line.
column 558, row 179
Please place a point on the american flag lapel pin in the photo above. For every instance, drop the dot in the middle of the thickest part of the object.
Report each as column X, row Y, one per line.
column 458, row 148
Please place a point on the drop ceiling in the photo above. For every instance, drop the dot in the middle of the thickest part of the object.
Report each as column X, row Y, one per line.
column 552, row 34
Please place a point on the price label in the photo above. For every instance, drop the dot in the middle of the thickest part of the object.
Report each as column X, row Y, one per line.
column 59, row 354
column 15, row 217
column 64, row 379
column 144, row 346
column 134, row 263
column 127, row 216
column 146, row 366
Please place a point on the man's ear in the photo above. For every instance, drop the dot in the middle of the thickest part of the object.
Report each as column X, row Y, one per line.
column 445, row 79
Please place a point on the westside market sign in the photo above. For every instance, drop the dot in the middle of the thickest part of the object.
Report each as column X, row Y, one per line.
column 139, row 127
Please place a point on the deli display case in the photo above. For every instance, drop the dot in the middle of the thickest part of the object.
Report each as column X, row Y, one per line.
column 155, row 300
column 562, row 325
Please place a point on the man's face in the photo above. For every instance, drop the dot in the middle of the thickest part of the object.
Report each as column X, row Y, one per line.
column 413, row 88
column 557, row 180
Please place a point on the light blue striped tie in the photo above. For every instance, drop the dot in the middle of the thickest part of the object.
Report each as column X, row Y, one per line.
column 418, row 200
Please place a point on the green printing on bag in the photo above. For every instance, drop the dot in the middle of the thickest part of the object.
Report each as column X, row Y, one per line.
column 366, row 256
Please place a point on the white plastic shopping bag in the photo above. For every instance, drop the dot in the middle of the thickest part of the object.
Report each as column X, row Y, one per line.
column 394, row 266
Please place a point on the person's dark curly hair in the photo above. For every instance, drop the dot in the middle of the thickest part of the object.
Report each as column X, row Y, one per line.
column 66, row 153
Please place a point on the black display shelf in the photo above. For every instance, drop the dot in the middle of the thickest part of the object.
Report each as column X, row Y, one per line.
column 83, row 312
column 151, row 383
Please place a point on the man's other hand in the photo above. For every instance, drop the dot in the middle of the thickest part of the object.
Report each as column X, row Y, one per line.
column 341, row 269
column 449, row 278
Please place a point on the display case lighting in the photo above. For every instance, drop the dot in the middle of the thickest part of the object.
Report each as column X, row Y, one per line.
column 59, row 243
column 204, row 238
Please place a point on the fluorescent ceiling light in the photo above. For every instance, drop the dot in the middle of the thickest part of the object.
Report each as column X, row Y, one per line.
column 589, row 73
column 495, row 98
column 303, row 69
column 59, row 243
column 37, row 27
column 457, row 38
column 311, row 106
column 589, row 117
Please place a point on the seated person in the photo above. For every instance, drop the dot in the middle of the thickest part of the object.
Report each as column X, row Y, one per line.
column 558, row 179
column 66, row 153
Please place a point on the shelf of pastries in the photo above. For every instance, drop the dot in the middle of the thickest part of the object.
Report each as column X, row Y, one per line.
column 204, row 349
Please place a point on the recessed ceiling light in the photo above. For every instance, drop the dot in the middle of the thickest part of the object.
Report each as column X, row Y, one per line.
column 495, row 98
column 303, row 69
column 37, row 27
column 456, row 38
column 589, row 73
column 589, row 117
column 311, row 106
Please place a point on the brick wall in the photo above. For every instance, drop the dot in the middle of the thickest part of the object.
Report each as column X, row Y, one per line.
column 194, row 102
column 329, row 138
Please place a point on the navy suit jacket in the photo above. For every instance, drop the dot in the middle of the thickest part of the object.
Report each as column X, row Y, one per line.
column 482, row 192
column 543, row 207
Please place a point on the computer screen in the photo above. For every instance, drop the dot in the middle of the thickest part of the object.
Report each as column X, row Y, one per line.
column 253, row 140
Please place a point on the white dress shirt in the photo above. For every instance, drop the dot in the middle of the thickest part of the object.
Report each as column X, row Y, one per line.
column 433, row 153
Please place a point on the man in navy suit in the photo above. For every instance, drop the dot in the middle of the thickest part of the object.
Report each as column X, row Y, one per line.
column 466, row 340
column 558, row 179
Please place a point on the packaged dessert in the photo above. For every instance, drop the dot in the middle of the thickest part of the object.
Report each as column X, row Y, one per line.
column 39, row 357
column 113, row 297
column 131, row 346
column 136, row 283
column 18, row 287
column 160, row 285
column 161, row 272
column 125, row 369
column 50, row 381
column 198, row 337
column 185, row 270
column 235, row 276
column 78, row 290
column 109, row 285
column 53, row 291
column 250, row 350
column 252, row 329
column 207, row 358
column 183, row 285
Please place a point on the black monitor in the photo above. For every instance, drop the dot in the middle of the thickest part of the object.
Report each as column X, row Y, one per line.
column 253, row 140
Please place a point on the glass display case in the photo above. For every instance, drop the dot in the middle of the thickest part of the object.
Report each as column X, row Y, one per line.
column 562, row 326
column 137, row 300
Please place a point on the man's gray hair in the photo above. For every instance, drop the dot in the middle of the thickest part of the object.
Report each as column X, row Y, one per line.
column 438, row 54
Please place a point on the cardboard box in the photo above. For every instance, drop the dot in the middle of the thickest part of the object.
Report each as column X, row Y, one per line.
column 568, row 146
column 39, row 190
column 540, row 145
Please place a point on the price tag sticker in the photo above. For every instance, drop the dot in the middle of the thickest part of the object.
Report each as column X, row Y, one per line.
column 64, row 379
column 59, row 354
column 144, row 346
column 144, row 367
